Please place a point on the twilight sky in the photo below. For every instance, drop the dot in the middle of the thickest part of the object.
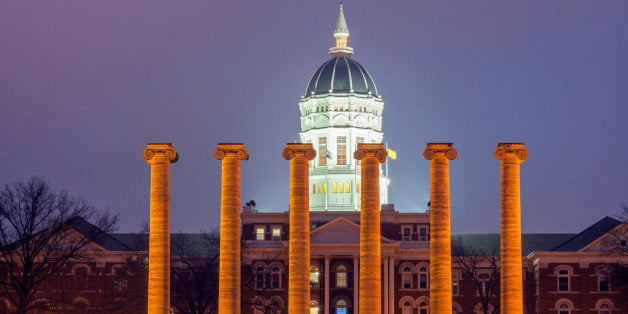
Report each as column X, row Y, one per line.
column 85, row 84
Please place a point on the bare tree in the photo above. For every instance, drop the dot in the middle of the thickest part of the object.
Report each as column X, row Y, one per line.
column 617, row 242
column 194, row 272
column 481, row 268
column 41, row 230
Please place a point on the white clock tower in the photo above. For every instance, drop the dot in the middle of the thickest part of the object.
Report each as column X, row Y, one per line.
column 341, row 107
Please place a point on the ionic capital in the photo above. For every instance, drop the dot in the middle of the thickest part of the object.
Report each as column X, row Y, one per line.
column 443, row 149
column 232, row 150
column 305, row 150
column 517, row 149
column 159, row 152
column 371, row 150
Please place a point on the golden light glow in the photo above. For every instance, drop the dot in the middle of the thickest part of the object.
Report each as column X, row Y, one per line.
column 299, row 243
column 370, row 289
column 229, row 264
column 511, row 156
column 439, row 155
column 159, row 156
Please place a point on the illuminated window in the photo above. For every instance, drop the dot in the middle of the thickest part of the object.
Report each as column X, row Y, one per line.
column 260, row 233
column 341, row 307
column 275, row 277
column 334, row 188
column 276, row 233
column 341, row 150
column 357, row 187
column 320, row 188
column 455, row 284
column 341, row 277
column 322, row 151
column 406, row 278
column 314, row 307
column 314, row 277
column 423, row 278
column 341, row 188
column 563, row 280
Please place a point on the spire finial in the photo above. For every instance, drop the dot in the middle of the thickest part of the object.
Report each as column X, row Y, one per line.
column 341, row 33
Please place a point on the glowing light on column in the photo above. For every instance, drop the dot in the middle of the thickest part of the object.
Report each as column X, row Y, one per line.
column 511, row 156
column 159, row 156
column 299, row 156
column 229, row 277
column 370, row 283
column 439, row 155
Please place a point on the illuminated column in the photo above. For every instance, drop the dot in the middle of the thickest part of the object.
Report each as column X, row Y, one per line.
column 159, row 156
column 511, row 278
column 299, row 156
column 370, row 294
column 439, row 155
column 229, row 263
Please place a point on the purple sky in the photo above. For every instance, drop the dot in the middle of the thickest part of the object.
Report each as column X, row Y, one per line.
column 85, row 84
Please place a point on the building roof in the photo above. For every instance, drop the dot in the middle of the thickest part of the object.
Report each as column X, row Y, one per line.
column 341, row 75
column 489, row 243
column 584, row 238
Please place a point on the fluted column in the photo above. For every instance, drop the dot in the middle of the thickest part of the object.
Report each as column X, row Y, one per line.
column 299, row 156
column 159, row 156
column 370, row 294
column 229, row 262
column 439, row 155
column 511, row 156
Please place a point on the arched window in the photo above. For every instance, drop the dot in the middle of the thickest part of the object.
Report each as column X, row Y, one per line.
column 81, row 276
column 314, row 277
column 314, row 306
column 275, row 277
column 320, row 188
column 423, row 278
column 456, row 308
column 423, row 307
column 276, row 305
column 563, row 280
column 479, row 309
column 335, row 187
column 341, row 307
column 604, row 306
column 564, row 306
column 341, row 188
column 348, row 187
column 407, row 307
column 406, row 277
column 341, row 277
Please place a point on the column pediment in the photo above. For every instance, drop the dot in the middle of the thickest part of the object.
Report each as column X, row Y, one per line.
column 340, row 230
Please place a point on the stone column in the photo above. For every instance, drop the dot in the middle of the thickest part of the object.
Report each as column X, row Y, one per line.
column 327, row 281
column 370, row 294
column 299, row 156
column 229, row 263
column 386, row 294
column 511, row 278
column 391, row 288
column 159, row 156
column 356, row 284
column 439, row 155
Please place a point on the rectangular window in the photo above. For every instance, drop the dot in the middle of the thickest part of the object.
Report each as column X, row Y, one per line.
column 483, row 282
column 407, row 281
column 359, row 139
column 322, row 151
column 259, row 280
column 407, row 234
column 455, row 288
column 423, row 234
column 563, row 283
column 313, row 279
column 422, row 281
column 260, row 233
column 275, row 281
column 604, row 285
column 341, row 157
column 341, row 280
column 276, row 233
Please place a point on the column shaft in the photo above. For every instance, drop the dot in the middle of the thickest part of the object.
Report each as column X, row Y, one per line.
column 229, row 278
column 370, row 294
column 511, row 156
column 439, row 155
column 159, row 156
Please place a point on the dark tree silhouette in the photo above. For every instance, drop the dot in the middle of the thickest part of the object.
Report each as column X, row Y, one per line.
column 41, row 230
column 481, row 268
